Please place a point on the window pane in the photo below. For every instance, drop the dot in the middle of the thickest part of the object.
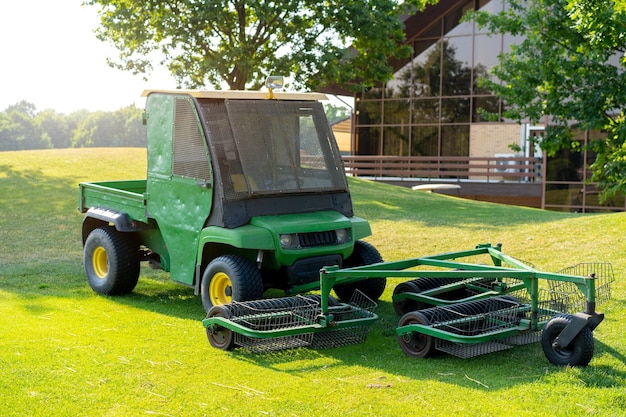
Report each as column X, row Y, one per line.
column 396, row 141
column 368, row 141
column 452, row 24
column 425, row 111
column 397, row 112
column 373, row 93
column 457, row 71
column 592, row 198
column 564, row 195
column 455, row 140
column 455, row 110
column 486, row 50
column 565, row 166
column 368, row 112
column 424, row 141
column 401, row 83
column 493, row 6
column 489, row 104
column 426, row 69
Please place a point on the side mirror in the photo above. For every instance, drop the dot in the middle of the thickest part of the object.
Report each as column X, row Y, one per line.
column 275, row 82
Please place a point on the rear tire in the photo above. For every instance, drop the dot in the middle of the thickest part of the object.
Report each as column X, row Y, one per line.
column 111, row 261
column 416, row 344
column 407, row 305
column 578, row 353
column 364, row 254
column 230, row 278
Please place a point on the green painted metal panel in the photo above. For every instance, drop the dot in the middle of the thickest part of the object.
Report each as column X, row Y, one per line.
column 305, row 223
column 360, row 228
column 244, row 237
column 180, row 205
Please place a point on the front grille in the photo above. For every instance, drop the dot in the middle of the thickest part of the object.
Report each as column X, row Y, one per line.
column 308, row 240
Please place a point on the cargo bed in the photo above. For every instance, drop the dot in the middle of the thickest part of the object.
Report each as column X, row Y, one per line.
column 127, row 196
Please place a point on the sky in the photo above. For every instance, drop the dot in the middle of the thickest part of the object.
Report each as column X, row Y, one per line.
column 50, row 56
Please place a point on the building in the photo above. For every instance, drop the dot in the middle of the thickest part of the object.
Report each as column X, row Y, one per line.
column 342, row 131
column 434, row 107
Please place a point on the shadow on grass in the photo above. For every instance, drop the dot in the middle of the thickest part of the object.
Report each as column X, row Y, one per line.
column 40, row 222
column 381, row 352
column 379, row 355
column 66, row 280
column 156, row 293
column 41, row 194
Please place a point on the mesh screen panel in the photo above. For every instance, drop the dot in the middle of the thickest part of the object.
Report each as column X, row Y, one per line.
column 190, row 157
column 223, row 146
column 270, row 147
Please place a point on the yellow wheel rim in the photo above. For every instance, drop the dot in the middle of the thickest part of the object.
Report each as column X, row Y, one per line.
column 221, row 289
column 100, row 262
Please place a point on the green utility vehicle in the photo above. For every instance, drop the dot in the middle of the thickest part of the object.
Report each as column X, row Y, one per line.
column 245, row 191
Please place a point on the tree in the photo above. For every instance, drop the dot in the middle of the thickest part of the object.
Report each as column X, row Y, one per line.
column 240, row 42
column 122, row 127
column 54, row 128
column 568, row 70
column 336, row 113
column 18, row 130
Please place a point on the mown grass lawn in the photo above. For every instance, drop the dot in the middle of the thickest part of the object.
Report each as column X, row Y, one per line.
column 66, row 351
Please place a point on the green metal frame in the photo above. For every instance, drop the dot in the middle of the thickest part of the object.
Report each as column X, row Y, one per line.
column 449, row 267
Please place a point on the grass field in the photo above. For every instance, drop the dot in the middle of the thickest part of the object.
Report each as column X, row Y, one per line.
column 66, row 351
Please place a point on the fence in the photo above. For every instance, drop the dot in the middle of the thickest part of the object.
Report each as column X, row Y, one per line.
column 484, row 169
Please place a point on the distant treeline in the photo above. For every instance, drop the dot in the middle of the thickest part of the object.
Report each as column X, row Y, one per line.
column 23, row 127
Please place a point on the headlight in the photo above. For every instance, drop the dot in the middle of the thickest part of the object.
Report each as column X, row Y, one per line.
column 289, row 241
column 343, row 235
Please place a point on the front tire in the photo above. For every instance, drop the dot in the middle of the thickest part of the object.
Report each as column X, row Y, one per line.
column 230, row 278
column 578, row 353
column 364, row 254
column 220, row 337
column 111, row 261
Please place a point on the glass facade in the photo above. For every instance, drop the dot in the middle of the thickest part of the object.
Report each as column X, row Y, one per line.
column 428, row 107
column 435, row 106
column 567, row 183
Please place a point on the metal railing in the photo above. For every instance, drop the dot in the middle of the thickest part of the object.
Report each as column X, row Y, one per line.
column 460, row 168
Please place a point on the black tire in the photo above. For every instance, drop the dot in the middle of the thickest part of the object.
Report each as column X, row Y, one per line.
column 220, row 337
column 578, row 353
column 364, row 254
column 111, row 261
column 415, row 344
column 407, row 305
column 230, row 278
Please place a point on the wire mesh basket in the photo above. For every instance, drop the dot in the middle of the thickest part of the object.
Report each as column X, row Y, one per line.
column 476, row 317
column 271, row 315
column 360, row 307
column 502, row 285
column 567, row 297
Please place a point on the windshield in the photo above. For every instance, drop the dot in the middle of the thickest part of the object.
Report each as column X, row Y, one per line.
column 273, row 147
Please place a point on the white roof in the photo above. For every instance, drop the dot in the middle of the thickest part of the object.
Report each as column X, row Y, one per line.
column 240, row 94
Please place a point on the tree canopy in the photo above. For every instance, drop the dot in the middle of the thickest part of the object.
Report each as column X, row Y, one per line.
column 240, row 42
column 23, row 127
column 567, row 69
